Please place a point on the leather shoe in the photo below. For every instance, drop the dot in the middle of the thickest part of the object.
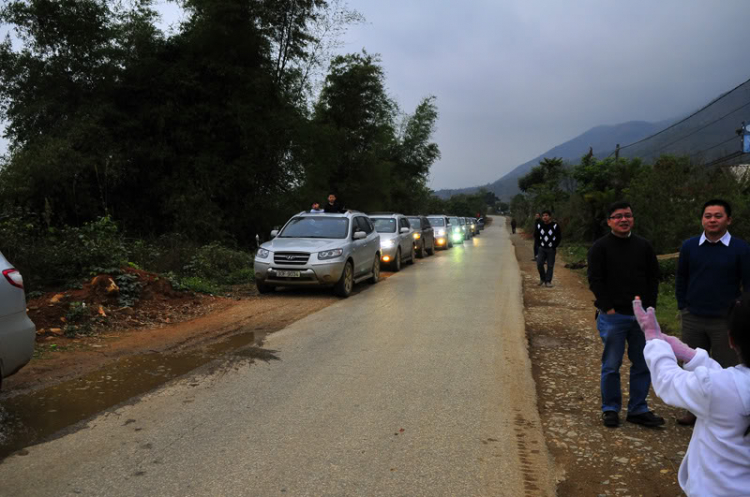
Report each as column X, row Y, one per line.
column 647, row 419
column 611, row 419
column 687, row 420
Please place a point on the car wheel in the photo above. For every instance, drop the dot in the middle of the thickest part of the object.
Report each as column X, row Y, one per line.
column 413, row 255
column 375, row 271
column 422, row 251
column 263, row 288
column 396, row 265
column 431, row 250
column 345, row 284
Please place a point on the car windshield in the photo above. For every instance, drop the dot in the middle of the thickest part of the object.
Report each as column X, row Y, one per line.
column 316, row 227
column 436, row 221
column 461, row 220
column 454, row 221
column 415, row 223
column 384, row 224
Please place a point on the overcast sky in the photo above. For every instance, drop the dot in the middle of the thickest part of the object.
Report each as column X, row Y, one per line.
column 514, row 78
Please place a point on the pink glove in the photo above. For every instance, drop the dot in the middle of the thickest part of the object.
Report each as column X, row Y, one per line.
column 647, row 320
column 681, row 351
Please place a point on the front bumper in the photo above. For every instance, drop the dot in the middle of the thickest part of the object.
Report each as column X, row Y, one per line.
column 441, row 241
column 388, row 254
column 319, row 274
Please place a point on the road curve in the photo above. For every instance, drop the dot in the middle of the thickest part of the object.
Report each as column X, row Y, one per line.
column 420, row 385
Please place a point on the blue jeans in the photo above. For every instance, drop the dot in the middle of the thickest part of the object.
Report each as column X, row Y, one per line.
column 615, row 330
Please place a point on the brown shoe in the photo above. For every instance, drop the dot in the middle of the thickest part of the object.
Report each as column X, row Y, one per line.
column 687, row 420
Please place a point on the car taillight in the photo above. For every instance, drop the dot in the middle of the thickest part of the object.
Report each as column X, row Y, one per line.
column 13, row 277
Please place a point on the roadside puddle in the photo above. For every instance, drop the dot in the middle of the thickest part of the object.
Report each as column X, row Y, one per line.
column 30, row 418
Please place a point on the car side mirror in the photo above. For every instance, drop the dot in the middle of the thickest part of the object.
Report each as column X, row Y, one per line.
column 274, row 233
column 358, row 235
column 405, row 230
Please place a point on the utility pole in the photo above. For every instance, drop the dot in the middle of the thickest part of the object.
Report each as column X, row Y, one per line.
column 617, row 153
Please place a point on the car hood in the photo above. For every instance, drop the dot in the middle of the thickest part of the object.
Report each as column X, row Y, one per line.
column 388, row 236
column 303, row 244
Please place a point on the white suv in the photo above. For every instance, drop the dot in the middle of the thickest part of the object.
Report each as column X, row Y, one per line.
column 17, row 332
column 319, row 249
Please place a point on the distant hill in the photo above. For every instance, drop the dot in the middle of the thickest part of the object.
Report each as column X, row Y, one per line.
column 705, row 135
column 602, row 139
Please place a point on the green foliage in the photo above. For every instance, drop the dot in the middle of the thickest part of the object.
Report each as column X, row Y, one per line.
column 219, row 264
column 77, row 319
column 200, row 285
column 668, row 268
column 666, row 308
column 50, row 257
column 130, row 289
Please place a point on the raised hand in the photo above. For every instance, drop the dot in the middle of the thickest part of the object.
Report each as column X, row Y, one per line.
column 647, row 320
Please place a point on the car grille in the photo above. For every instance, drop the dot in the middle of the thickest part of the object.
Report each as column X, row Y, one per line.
column 291, row 258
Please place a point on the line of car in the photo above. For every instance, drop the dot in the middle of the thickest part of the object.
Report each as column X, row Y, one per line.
column 339, row 250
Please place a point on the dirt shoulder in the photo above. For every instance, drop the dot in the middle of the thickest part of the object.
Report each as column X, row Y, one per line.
column 565, row 351
column 163, row 325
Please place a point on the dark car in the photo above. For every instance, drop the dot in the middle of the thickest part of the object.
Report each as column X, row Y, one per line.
column 424, row 235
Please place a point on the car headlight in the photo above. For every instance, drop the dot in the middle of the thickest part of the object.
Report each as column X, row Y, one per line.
column 386, row 243
column 417, row 236
column 330, row 254
column 262, row 254
column 440, row 233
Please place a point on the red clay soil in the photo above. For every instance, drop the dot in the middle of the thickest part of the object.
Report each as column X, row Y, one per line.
column 161, row 320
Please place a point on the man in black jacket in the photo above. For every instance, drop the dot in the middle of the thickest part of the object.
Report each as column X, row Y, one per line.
column 621, row 266
column 548, row 237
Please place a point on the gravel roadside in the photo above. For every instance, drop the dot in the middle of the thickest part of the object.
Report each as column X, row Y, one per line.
column 565, row 351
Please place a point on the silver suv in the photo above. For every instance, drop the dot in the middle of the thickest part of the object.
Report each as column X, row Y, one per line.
column 318, row 249
column 396, row 239
column 17, row 332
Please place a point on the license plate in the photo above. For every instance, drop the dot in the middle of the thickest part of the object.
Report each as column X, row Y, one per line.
column 287, row 274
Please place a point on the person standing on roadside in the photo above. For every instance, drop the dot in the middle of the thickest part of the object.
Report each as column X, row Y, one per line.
column 333, row 205
column 622, row 265
column 548, row 238
column 537, row 227
column 513, row 225
column 712, row 272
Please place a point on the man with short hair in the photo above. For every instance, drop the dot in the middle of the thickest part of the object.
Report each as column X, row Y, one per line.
column 333, row 205
column 548, row 238
column 712, row 272
column 621, row 266
column 315, row 208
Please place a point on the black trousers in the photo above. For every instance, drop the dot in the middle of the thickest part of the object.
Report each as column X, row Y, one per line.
column 545, row 255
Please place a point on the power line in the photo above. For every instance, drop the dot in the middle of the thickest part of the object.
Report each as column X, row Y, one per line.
column 688, row 117
column 701, row 128
column 713, row 147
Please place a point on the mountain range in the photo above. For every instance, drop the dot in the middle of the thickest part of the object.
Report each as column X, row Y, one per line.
column 705, row 135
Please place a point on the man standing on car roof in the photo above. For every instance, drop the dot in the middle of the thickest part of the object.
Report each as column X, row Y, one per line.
column 333, row 205
column 621, row 266
column 548, row 237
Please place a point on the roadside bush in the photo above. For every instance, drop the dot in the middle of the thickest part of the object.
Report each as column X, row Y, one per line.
column 221, row 264
column 200, row 285
column 50, row 257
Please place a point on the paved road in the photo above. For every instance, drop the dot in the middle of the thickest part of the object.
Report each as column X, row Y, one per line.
column 420, row 385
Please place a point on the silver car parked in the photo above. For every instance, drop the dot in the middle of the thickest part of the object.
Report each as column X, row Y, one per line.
column 317, row 249
column 17, row 332
column 396, row 239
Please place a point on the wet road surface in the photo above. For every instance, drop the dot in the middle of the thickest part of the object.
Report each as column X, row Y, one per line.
column 420, row 385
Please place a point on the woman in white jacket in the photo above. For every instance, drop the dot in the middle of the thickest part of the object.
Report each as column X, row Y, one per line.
column 717, row 462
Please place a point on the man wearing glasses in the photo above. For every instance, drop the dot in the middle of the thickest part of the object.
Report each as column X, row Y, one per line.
column 711, row 269
column 622, row 265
